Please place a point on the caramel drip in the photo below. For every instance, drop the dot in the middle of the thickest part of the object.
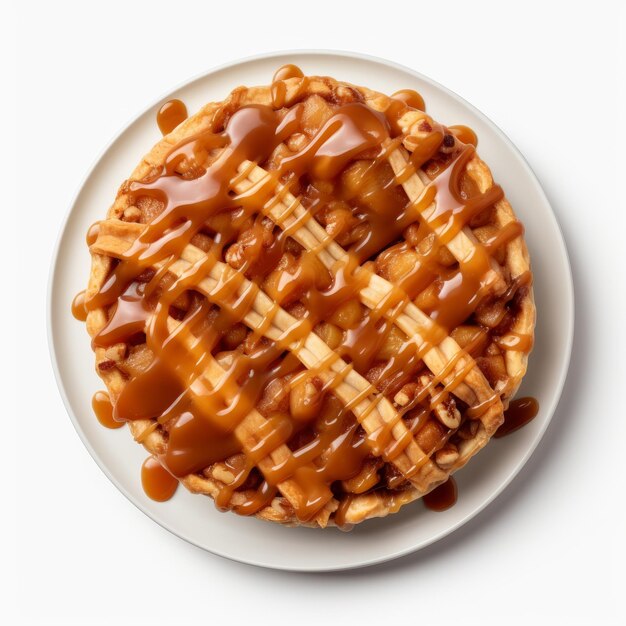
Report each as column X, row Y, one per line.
column 158, row 484
column 103, row 409
column 464, row 134
column 128, row 318
column 78, row 307
column 207, row 406
column 287, row 71
column 170, row 115
column 279, row 88
column 519, row 413
column 411, row 98
column 442, row 497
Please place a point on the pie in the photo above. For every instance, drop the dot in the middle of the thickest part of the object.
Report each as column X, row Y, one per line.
column 311, row 302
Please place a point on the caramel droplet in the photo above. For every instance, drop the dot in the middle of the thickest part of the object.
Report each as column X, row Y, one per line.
column 287, row 71
column 156, row 481
column 78, row 307
column 442, row 497
column 102, row 407
column 519, row 413
column 410, row 98
column 170, row 115
column 464, row 134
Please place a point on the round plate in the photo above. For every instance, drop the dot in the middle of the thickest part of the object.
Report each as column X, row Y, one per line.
column 195, row 518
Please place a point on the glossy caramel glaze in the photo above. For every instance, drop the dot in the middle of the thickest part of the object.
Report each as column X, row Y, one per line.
column 287, row 71
column 464, row 134
column 158, row 484
column 519, row 413
column 170, row 115
column 103, row 410
column 78, row 307
column 279, row 88
column 410, row 98
column 442, row 497
column 208, row 424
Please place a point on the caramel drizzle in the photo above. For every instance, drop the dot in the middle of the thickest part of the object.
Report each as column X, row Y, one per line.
column 401, row 364
column 228, row 287
column 411, row 98
column 210, row 409
column 287, row 212
column 279, row 88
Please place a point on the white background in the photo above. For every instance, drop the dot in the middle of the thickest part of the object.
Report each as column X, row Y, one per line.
column 551, row 548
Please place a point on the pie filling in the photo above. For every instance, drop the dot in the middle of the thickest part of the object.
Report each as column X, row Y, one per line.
column 311, row 300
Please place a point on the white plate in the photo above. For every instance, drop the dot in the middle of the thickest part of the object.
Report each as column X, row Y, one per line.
column 195, row 518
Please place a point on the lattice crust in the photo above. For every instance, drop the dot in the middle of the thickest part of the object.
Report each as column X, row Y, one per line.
column 420, row 423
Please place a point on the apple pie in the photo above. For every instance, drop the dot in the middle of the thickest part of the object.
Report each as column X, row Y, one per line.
column 310, row 301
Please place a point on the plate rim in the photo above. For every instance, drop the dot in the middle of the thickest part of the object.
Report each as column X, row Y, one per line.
column 569, row 288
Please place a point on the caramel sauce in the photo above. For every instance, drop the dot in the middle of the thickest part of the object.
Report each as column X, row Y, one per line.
column 129, row 317
column 102, row 407
column 410, row 98
column 464, row 134
column 519, row 413
column 170, row 115
column 158, row 484
column 442, row 497
column 78, row 307
column 208, row 422
column 279, row 88
column 505, row 235
column 284, row 72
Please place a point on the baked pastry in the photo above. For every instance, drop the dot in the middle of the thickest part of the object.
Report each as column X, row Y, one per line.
column 311, row 302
